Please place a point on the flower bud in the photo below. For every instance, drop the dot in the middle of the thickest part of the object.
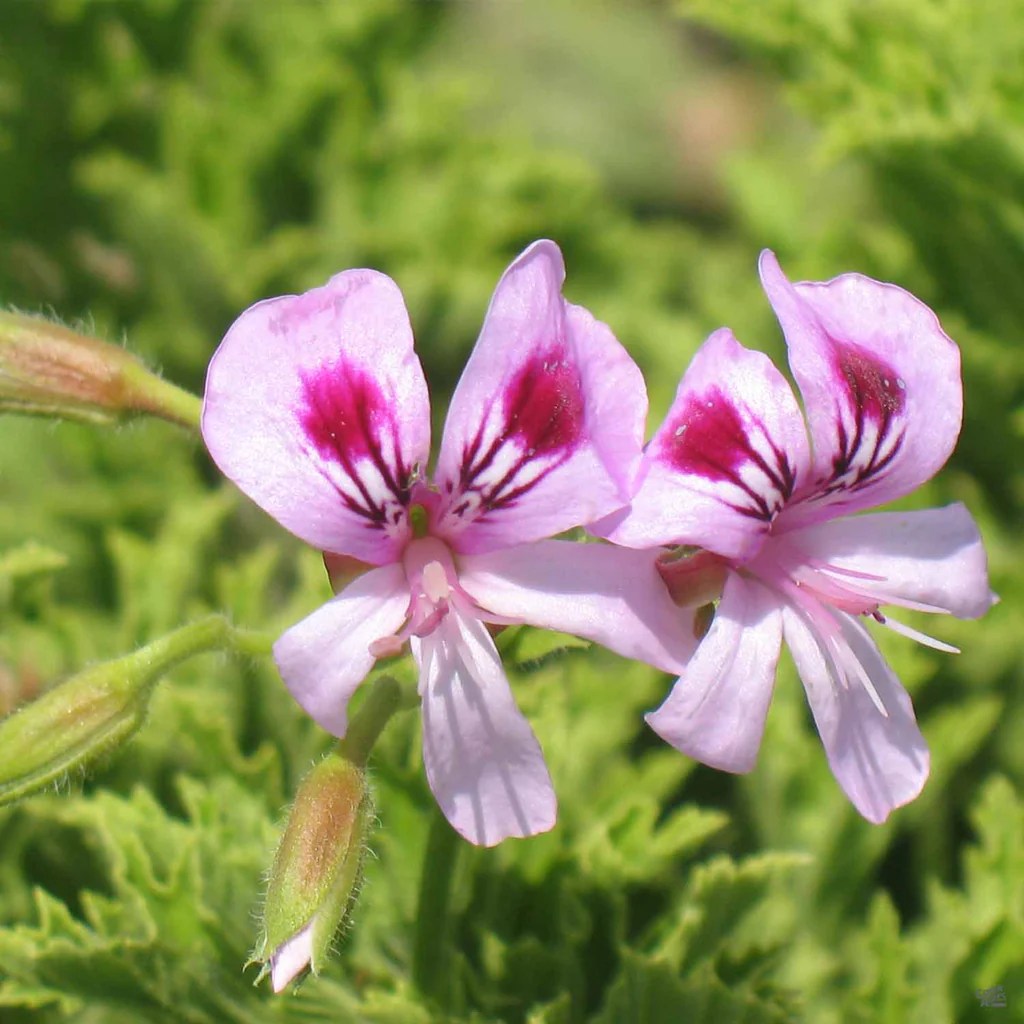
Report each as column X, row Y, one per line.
column 49, row 370
column 92, row 712
column 316, row 870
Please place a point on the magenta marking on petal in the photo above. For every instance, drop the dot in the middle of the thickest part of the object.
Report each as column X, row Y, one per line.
column 707, row 438
column 543, row 412
column 544, row 405
column 876, row 400
column 346, row 418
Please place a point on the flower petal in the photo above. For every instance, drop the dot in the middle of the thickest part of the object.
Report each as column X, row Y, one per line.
column 291, row 958
column 326, row 656
column 316, row 407
column 881, row 386
column 933, row 557
column 545, row 427
column 716, row 711
column 725, row 461
column 483, row 762
column 613, row 596
column 881, row 761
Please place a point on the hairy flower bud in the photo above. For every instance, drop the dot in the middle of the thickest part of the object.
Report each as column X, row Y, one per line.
column 91, row 713
column 49, row 370
column 316, row 870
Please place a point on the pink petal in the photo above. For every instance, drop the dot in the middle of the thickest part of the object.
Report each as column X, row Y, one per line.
column 933, row 557
column 881, row 761
column 316, row 407
column 291, row 958
column 545, row 427
column 613, row 596
column 725, row 461
column 326, row 656
column 483, row 761
column 880, row 382
column 716, row 711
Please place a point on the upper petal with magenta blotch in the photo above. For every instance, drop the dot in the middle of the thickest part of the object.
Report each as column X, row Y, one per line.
column 881, row 386
column 545, row 427
column 316, row 407
column 727, row 459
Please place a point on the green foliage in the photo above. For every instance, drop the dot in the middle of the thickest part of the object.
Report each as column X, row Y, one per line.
column 168, row 162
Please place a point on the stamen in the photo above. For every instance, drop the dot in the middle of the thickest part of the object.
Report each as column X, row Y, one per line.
column 914, row 634
column 840, row 570
column 852, row 667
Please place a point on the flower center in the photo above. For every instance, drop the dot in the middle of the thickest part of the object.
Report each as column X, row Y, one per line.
column 433, row 586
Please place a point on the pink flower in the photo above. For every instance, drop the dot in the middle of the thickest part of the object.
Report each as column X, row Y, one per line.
column 316, row 407
column 731, row 471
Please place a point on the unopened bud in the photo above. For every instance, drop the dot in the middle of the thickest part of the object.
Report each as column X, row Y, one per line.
column 316, row 870
column 49, row 370
column 91, row 713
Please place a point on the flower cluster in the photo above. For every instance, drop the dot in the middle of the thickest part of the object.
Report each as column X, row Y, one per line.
column 316, row 407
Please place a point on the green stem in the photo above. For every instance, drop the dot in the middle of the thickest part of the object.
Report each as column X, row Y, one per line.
column 431, row 953
column 158, row 397
column 251, row 642
column 366, row 725
column 211, row 633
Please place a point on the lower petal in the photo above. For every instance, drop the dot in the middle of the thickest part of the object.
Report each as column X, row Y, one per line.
column 933, row 557
column 881, row 761
column 717, row 710
column 327, row 655
column 483, row 762
column 613, row 596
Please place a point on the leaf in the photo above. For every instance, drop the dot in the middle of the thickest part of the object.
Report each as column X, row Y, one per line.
column 30, row 559
column 648, row 991
column 527, row 648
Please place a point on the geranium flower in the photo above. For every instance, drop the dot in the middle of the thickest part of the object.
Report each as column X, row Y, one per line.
column 731, row 471
column 316, row 407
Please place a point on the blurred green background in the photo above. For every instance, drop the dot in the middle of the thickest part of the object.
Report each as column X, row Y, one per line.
column 165, row 163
